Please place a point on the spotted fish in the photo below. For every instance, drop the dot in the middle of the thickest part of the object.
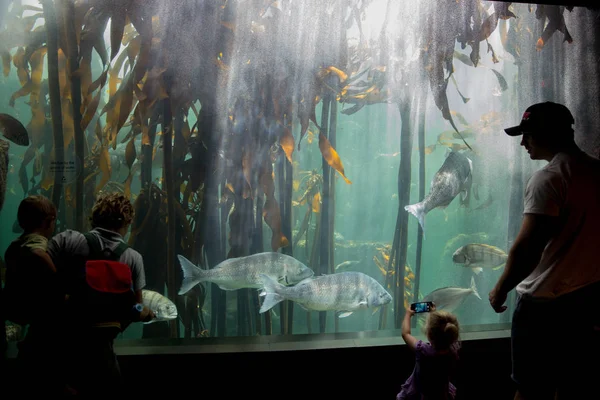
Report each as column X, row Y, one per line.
column 343, row 292
column 479, row 255
column 244, row 272
column 453, row 177
column 163, row 308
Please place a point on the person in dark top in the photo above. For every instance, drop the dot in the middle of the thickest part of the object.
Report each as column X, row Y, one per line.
column 94, row 369
column 34, row 299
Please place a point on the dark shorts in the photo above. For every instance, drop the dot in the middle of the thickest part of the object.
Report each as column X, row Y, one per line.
column 555, row 345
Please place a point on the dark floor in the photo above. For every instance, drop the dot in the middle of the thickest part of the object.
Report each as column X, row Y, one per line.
column 354, row 372
column 350, row 373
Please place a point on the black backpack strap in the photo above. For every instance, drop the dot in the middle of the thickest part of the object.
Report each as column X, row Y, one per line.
column 118, row 252
column 94, row 245
column 96, row 251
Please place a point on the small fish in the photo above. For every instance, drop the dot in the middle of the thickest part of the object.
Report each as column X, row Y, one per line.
column 453, row 177
column 451, row 297
column 243, row 272
column 345, row 264
column 344, row 292
column 163, row 308
column 478, row 256
column 13, row 130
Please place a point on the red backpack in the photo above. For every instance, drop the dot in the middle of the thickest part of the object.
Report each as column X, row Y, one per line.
column 103, row 295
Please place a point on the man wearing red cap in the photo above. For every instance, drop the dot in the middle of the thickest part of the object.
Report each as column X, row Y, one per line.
column 554, row 264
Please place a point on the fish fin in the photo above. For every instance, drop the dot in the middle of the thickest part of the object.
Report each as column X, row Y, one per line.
column 303, row 307
column 343, row 314
column 474, row 288
column 463, row 195
column 499, row 266
column 272, row 297
column 149, row 322
column 375, row 310
column 418, row 211
column 192, row 275
column 477, row 270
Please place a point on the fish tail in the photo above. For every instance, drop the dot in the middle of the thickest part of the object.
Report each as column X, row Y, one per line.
column 418, row 210
column 474, row 288
column 271, row 292
column 192, row 275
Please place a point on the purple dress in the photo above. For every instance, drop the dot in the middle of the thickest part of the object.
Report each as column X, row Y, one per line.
column 431, row 376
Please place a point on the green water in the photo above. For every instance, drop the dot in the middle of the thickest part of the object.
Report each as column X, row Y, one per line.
column 369, row 143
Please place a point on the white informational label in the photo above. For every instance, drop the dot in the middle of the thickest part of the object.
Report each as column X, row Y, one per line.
column 68, row 169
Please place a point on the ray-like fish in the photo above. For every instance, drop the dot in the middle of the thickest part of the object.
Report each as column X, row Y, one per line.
column 244, row 272
column 344, row 292
column 453, row 177
column 13, row 130
column 163, row 308
column 478, row 256
column 451, row 297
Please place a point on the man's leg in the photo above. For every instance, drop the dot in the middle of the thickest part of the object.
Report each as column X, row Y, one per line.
column 532, row 347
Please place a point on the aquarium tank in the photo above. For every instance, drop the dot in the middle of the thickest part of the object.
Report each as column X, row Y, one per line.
column 296, row 167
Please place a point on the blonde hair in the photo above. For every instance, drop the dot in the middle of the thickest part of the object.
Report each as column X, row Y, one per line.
column 442, row 329
column 111, row 211
column 33, row 212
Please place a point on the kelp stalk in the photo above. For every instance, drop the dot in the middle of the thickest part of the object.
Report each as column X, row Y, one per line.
column 54, row 93
column 421, row 138
column 171, row 218
column 287, row 226
column 404, row 173
column 280, row 168
column 324, row 233
column 73, row 57
column 333, row 140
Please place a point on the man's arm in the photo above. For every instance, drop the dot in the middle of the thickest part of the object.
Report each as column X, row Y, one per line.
column 524, row 255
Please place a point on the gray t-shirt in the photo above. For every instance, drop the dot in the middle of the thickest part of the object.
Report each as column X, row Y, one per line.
column 567, row 188
column 68, row 246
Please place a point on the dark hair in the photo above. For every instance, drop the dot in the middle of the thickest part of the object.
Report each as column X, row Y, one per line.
column 34, row 211
column 111, row 211
column 442, row 329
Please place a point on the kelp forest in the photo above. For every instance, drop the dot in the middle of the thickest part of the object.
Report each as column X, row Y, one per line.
column 199, row 111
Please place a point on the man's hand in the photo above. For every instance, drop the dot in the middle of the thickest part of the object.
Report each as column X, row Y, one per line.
column 497, row 299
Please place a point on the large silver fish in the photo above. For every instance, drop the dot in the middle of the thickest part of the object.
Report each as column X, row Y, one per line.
column 244, row 272
column 453, row 177
column 163, row 308
column 344, row 292
column 451, row 297
column 478, row 256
